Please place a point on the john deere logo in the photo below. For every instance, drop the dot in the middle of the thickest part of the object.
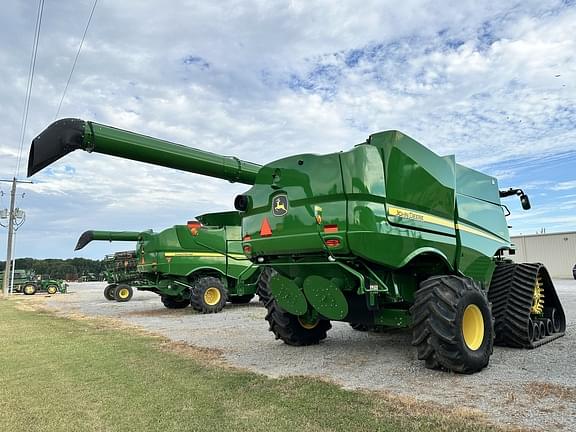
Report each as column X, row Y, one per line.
column 280, row 205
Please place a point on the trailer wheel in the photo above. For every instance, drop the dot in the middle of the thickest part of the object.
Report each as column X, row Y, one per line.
column 52, row 289
column 574, row 271
column 208, row 295
column 123, row 293
column 174, row 302
column 453, row 326
column 109, row 292
column 29, row 288
column 243, row 299
column 291, row 329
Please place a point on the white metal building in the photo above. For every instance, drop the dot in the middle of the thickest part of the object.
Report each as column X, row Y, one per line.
column 557, row 251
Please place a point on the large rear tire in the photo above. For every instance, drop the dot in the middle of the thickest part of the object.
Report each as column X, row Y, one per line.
column 208, row 295
column 291, row 329
column 109, row 292
column 453, row 327
column 29, row 288
column 123, row 293
column 174, row 303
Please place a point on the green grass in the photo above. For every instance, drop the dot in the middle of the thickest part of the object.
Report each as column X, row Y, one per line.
column 62, row 374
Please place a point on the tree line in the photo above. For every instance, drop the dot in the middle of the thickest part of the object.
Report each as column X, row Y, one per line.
column 68, row 269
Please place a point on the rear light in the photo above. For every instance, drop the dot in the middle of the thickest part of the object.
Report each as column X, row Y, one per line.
column 247, row 248
column 330, row 228
column 194, row 226
column 332, row 243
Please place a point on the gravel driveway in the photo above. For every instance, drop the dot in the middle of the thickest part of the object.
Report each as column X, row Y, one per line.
column 533, row 388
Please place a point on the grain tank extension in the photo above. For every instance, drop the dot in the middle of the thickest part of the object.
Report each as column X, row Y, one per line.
column 385, row 235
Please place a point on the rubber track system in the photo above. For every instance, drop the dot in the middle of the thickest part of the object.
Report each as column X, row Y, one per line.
column 510, row 293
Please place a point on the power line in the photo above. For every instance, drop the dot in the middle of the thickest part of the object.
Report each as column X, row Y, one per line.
column 76, row 58
column 31, row 71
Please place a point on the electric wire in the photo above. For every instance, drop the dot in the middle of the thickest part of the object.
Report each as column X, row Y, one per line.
column 31, row 70
column 76, row 59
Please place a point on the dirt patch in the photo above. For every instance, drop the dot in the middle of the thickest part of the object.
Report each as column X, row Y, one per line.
column 158, row 313
column 538, row 390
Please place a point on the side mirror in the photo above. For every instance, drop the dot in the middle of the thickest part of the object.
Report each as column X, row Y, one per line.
column 525, row 202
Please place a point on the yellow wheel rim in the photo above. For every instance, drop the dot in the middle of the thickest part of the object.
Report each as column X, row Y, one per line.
column 52, row 290
column 307, row 325
column 212, row 296
column 123, row 293
column 28, row 289
column 473, row 327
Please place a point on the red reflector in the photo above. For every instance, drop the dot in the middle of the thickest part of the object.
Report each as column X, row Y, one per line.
column 330, row 228
column 247, row 249
column 333, row 243
column 265, row 230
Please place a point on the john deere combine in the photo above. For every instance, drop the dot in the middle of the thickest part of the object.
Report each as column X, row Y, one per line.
column 387, row 234
column 199, row 264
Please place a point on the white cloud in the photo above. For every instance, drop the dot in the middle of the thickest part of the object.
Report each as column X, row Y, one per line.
column 262, row 80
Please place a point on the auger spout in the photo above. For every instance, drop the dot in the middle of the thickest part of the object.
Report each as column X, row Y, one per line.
column 89, row 236
column 66, row 135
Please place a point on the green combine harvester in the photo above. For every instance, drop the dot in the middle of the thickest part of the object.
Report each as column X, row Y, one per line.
column 26, row 282
column 199, row 264
column 385, row 235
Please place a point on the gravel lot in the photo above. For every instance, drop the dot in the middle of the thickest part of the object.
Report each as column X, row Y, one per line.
column 533, row 388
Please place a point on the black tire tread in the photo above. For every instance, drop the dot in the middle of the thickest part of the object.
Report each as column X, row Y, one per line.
column 284, row 325
column 436, row 332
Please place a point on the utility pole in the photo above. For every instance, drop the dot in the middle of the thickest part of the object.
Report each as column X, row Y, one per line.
column 11, row 222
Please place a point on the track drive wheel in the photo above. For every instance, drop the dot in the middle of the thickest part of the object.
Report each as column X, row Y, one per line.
column 208, row 295
column 52, row 289
column 29, row 288
column 109, row 292
column 174, row 302
column 123, row 293
column 453, row 327
column 291, row 329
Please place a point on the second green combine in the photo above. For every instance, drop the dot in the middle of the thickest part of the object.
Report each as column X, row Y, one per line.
column 199, row 264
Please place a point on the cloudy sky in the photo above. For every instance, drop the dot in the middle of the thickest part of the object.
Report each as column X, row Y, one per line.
column 493, row 82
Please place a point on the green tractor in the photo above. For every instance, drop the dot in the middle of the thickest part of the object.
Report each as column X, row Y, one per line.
column 28, row 283
column 199, row 264
column 385, row 235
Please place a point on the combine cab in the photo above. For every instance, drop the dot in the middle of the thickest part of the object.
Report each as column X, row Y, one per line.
column 199, row 264
column 385, row 235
